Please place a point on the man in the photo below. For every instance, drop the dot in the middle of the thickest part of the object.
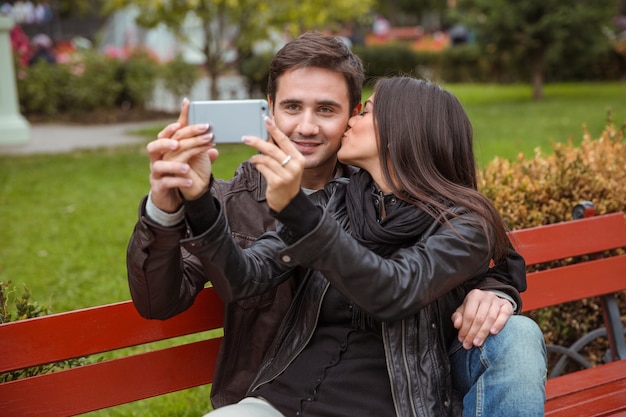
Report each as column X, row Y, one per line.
column 314, row 88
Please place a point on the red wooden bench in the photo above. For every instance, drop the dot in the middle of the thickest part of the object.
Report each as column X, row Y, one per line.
column 108, row 383
column 599, row 391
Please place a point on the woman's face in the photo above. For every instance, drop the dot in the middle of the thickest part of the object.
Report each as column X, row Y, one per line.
column 359, row 145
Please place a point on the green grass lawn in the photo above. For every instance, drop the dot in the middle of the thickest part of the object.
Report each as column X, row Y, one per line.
column 65, row 220
column 507, row 121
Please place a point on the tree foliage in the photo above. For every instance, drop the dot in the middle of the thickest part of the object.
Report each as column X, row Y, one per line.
column 229, row 28
column 406, row 12
column 530, row 31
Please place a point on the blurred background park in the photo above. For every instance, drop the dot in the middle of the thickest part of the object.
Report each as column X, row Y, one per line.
column 543, row 81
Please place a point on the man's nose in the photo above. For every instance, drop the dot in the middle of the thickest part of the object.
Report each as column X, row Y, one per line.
column 308, row 125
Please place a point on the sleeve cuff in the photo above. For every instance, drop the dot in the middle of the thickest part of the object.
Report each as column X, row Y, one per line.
column 504, row 295
column 161, row 217
column 300, row 217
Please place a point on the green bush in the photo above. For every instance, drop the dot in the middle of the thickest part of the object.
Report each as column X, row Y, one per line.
column 255, row 69
column 88, row 82
column 137, row 75
column 26, row 309
column 41, row 88
column 179, row 77
column 482, row 63
column 464, row 64
column 383, row 61
column 544, row 190
column 93, row 84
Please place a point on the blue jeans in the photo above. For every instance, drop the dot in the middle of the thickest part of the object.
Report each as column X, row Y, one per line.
column 507, row 375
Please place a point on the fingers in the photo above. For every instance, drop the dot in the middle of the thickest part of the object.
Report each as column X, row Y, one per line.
column 189, row 132
column 177, row 161
column 505, row 311
column 187, row 148
column 159, row 147
column 280, row 163
column 279, row 149
column 160, row 169
column 182, row 121
column 168, row 131
column 479, row 327
column 482, row 313
column 183, row 117
column 161, row 180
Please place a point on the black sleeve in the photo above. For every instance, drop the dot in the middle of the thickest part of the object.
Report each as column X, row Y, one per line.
column 201, row 213
column 511, row 271
column 299, row 218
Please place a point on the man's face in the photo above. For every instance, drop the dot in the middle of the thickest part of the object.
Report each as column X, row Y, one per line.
column 312, row 108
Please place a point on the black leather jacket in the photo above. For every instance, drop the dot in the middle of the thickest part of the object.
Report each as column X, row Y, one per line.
column 413, row 293
column 164, row 279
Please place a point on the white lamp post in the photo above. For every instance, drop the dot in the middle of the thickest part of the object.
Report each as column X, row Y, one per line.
column 14, row 128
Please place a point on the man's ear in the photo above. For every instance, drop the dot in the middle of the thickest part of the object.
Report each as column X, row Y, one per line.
column 357, row 109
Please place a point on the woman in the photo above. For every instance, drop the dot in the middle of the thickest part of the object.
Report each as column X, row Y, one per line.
column 369, row 334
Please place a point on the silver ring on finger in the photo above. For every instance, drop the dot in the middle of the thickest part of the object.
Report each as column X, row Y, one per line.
column 285, row 161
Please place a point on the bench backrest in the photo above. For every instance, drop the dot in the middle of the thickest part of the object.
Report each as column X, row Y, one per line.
column 139, row 375
column 588, row 236
column 592, row 274
column 91, row 331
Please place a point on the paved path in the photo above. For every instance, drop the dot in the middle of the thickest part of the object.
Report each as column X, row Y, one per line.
column 60, row 138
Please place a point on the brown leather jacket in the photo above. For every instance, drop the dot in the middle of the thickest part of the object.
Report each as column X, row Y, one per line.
column 164, row 280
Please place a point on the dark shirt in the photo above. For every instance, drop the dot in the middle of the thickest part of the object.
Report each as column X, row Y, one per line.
column 341, row 372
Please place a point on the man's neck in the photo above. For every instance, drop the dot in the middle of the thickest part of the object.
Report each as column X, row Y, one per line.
column 317, row 178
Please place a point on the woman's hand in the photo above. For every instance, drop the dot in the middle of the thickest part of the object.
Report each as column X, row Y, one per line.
column 280, row 163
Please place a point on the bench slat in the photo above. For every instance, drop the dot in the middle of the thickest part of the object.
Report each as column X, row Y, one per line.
column 106, row 384
column 582, row 280
column 567, row 239
column 99, row 329
column 607, row 400
column 587, row 378
column 598, row 391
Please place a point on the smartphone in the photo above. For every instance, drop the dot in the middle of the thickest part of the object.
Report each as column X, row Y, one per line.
column 231, row 119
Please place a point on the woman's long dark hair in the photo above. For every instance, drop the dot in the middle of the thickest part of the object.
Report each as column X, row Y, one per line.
column 426, row 151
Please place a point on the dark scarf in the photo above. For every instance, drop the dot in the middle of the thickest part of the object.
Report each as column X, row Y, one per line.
column 402, row 227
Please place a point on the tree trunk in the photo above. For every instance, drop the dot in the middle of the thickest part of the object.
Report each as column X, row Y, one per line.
column 538, row 76
column 214, row 93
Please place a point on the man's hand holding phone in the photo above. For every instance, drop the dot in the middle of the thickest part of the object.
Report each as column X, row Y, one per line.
column 180, row 159
column 182, row 156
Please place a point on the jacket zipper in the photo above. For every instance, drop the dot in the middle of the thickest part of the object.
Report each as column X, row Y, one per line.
column 404, row 362
column 308, row 339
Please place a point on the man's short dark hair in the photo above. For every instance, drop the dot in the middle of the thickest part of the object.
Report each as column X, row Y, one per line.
column 313, row 49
